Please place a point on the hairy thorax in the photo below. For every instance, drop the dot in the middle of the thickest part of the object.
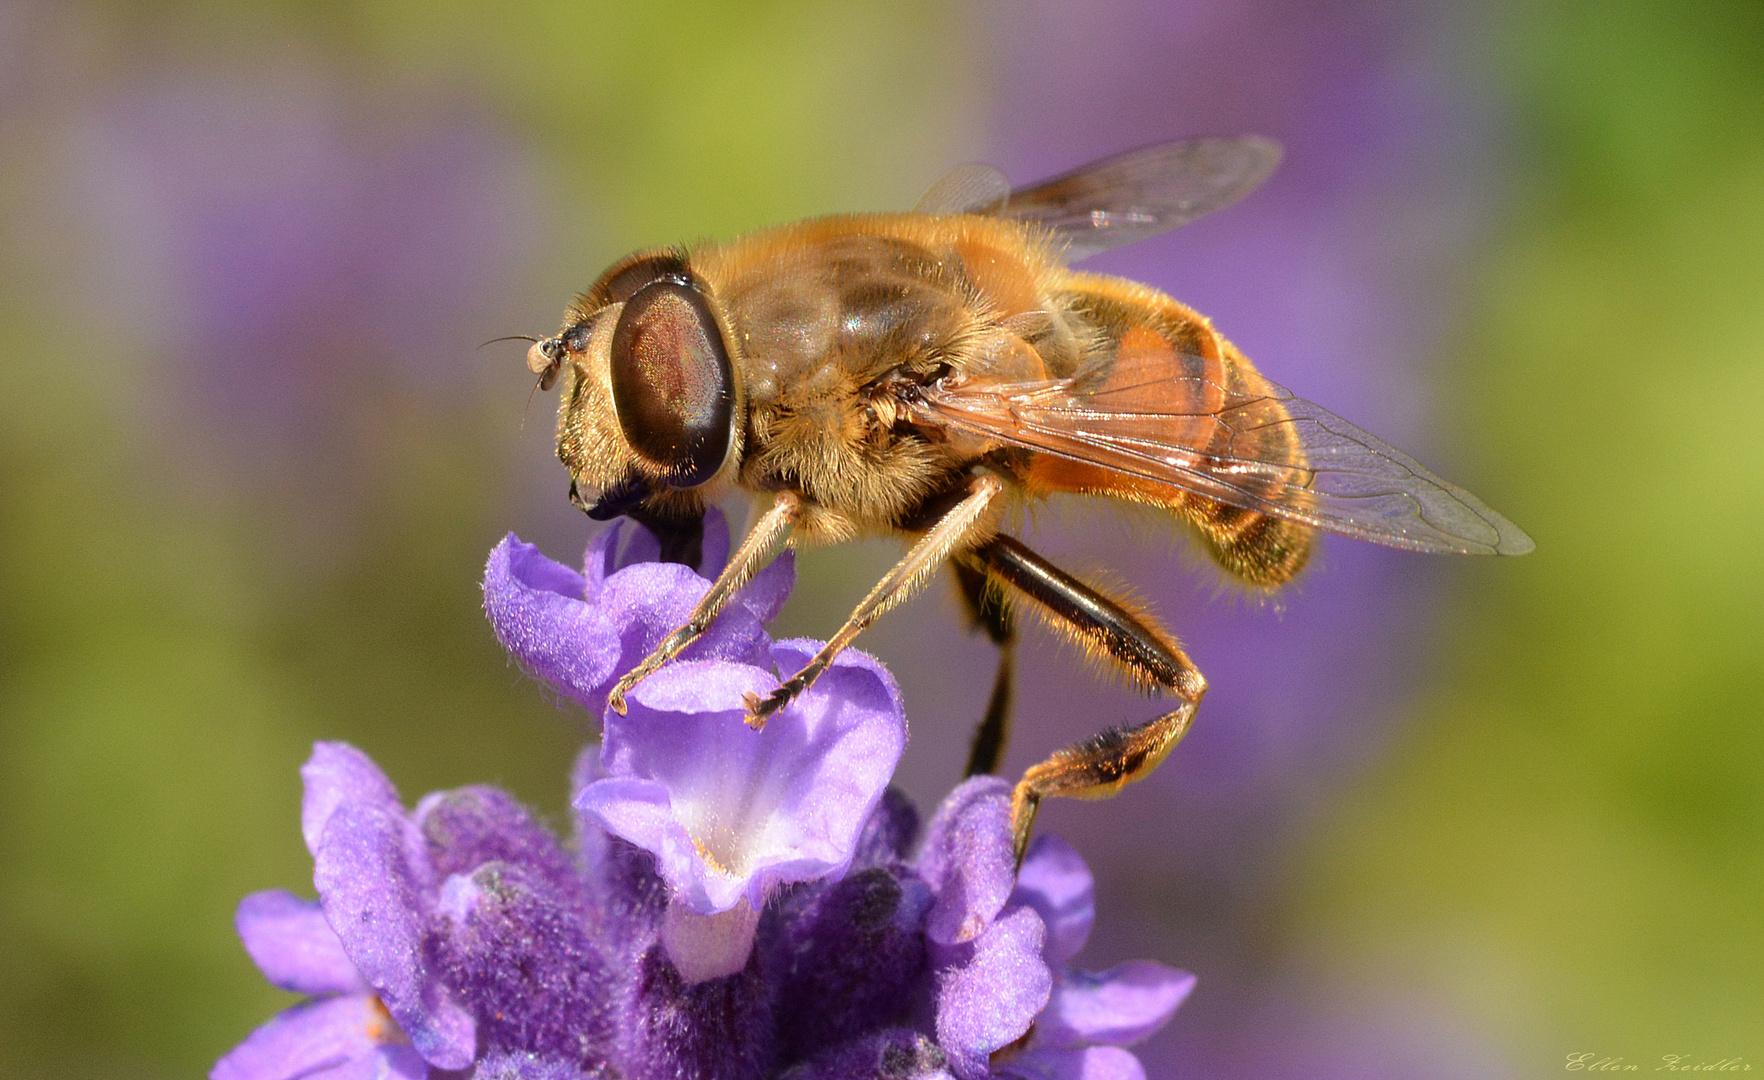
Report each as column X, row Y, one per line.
column 830, row 318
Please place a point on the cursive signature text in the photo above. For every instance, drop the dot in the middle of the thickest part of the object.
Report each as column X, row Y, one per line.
column 1668, row 1063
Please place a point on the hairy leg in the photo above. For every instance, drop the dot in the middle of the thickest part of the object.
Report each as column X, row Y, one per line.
column 1101, row 765
column 757, row 549
column 956, row 530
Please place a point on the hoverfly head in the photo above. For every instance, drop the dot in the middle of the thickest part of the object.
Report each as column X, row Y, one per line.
column 649, row 402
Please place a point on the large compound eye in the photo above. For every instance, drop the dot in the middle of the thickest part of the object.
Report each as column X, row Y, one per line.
column 673, row 386
column 623, row 282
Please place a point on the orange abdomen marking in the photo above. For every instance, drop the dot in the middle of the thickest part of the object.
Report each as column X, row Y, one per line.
column 1168, row 364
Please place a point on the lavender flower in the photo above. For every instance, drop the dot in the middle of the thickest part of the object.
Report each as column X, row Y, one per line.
column 733, row 904
column 362, row 956
column 731, row 814
column 342, row 1028
column 580, row 632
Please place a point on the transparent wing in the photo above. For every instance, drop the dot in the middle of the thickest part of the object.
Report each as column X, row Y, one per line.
column 966, row 189
column 1141, row 193
column 1248, row 444
column 1119, row 200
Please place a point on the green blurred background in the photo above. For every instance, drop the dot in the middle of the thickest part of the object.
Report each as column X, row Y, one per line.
column 227, row 533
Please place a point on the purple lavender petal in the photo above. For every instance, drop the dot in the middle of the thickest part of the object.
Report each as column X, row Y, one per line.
column 292, row 944
column 855, row 676
column 683, row 736
column 524, row 959
column 537, row 612
column 470, row 826
column 716, row 545
column 313, row 1038
column 338, row 773
column 580, row 645
column 1119, row 1006
column 1085, row 1063
column 387, row 1062
column 691, row 783
column 590, row 840
column 988, row 999
column 627, row 542
column 373, row 900
column 530, row 566
column 623, row 543
column 894, row 1054
column 1056, row 883
column 647, row 601
column 967, row 859
column 627, row 893
column 600, row 560
column 641, row 812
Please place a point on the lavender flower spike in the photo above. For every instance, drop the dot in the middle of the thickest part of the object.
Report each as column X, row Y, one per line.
column 735, row 905
column 730, row 814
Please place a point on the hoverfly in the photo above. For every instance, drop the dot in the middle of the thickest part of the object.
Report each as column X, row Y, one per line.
column 915, row 373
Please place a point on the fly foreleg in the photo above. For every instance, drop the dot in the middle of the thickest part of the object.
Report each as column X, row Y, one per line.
column 958, row 529
column 1101, row 765
column 757, row 549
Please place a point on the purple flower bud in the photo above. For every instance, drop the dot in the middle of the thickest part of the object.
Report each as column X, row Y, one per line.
column 526, row 961
column 860, row 942
column 524, row 1065
column 892, row 1054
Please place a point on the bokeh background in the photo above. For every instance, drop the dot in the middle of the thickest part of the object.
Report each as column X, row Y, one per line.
column 1438, row 819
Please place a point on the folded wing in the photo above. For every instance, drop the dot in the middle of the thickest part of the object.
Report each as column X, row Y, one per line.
column 1249, row 444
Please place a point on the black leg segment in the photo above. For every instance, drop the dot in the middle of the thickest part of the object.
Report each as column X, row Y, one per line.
column 988, row 609
column 1101, row 765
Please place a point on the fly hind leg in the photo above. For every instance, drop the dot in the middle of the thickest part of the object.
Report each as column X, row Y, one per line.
column 990, row 611
column 1101, row 765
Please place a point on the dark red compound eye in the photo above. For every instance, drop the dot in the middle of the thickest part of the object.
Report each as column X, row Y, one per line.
column 624, row 281
column 673, row 386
